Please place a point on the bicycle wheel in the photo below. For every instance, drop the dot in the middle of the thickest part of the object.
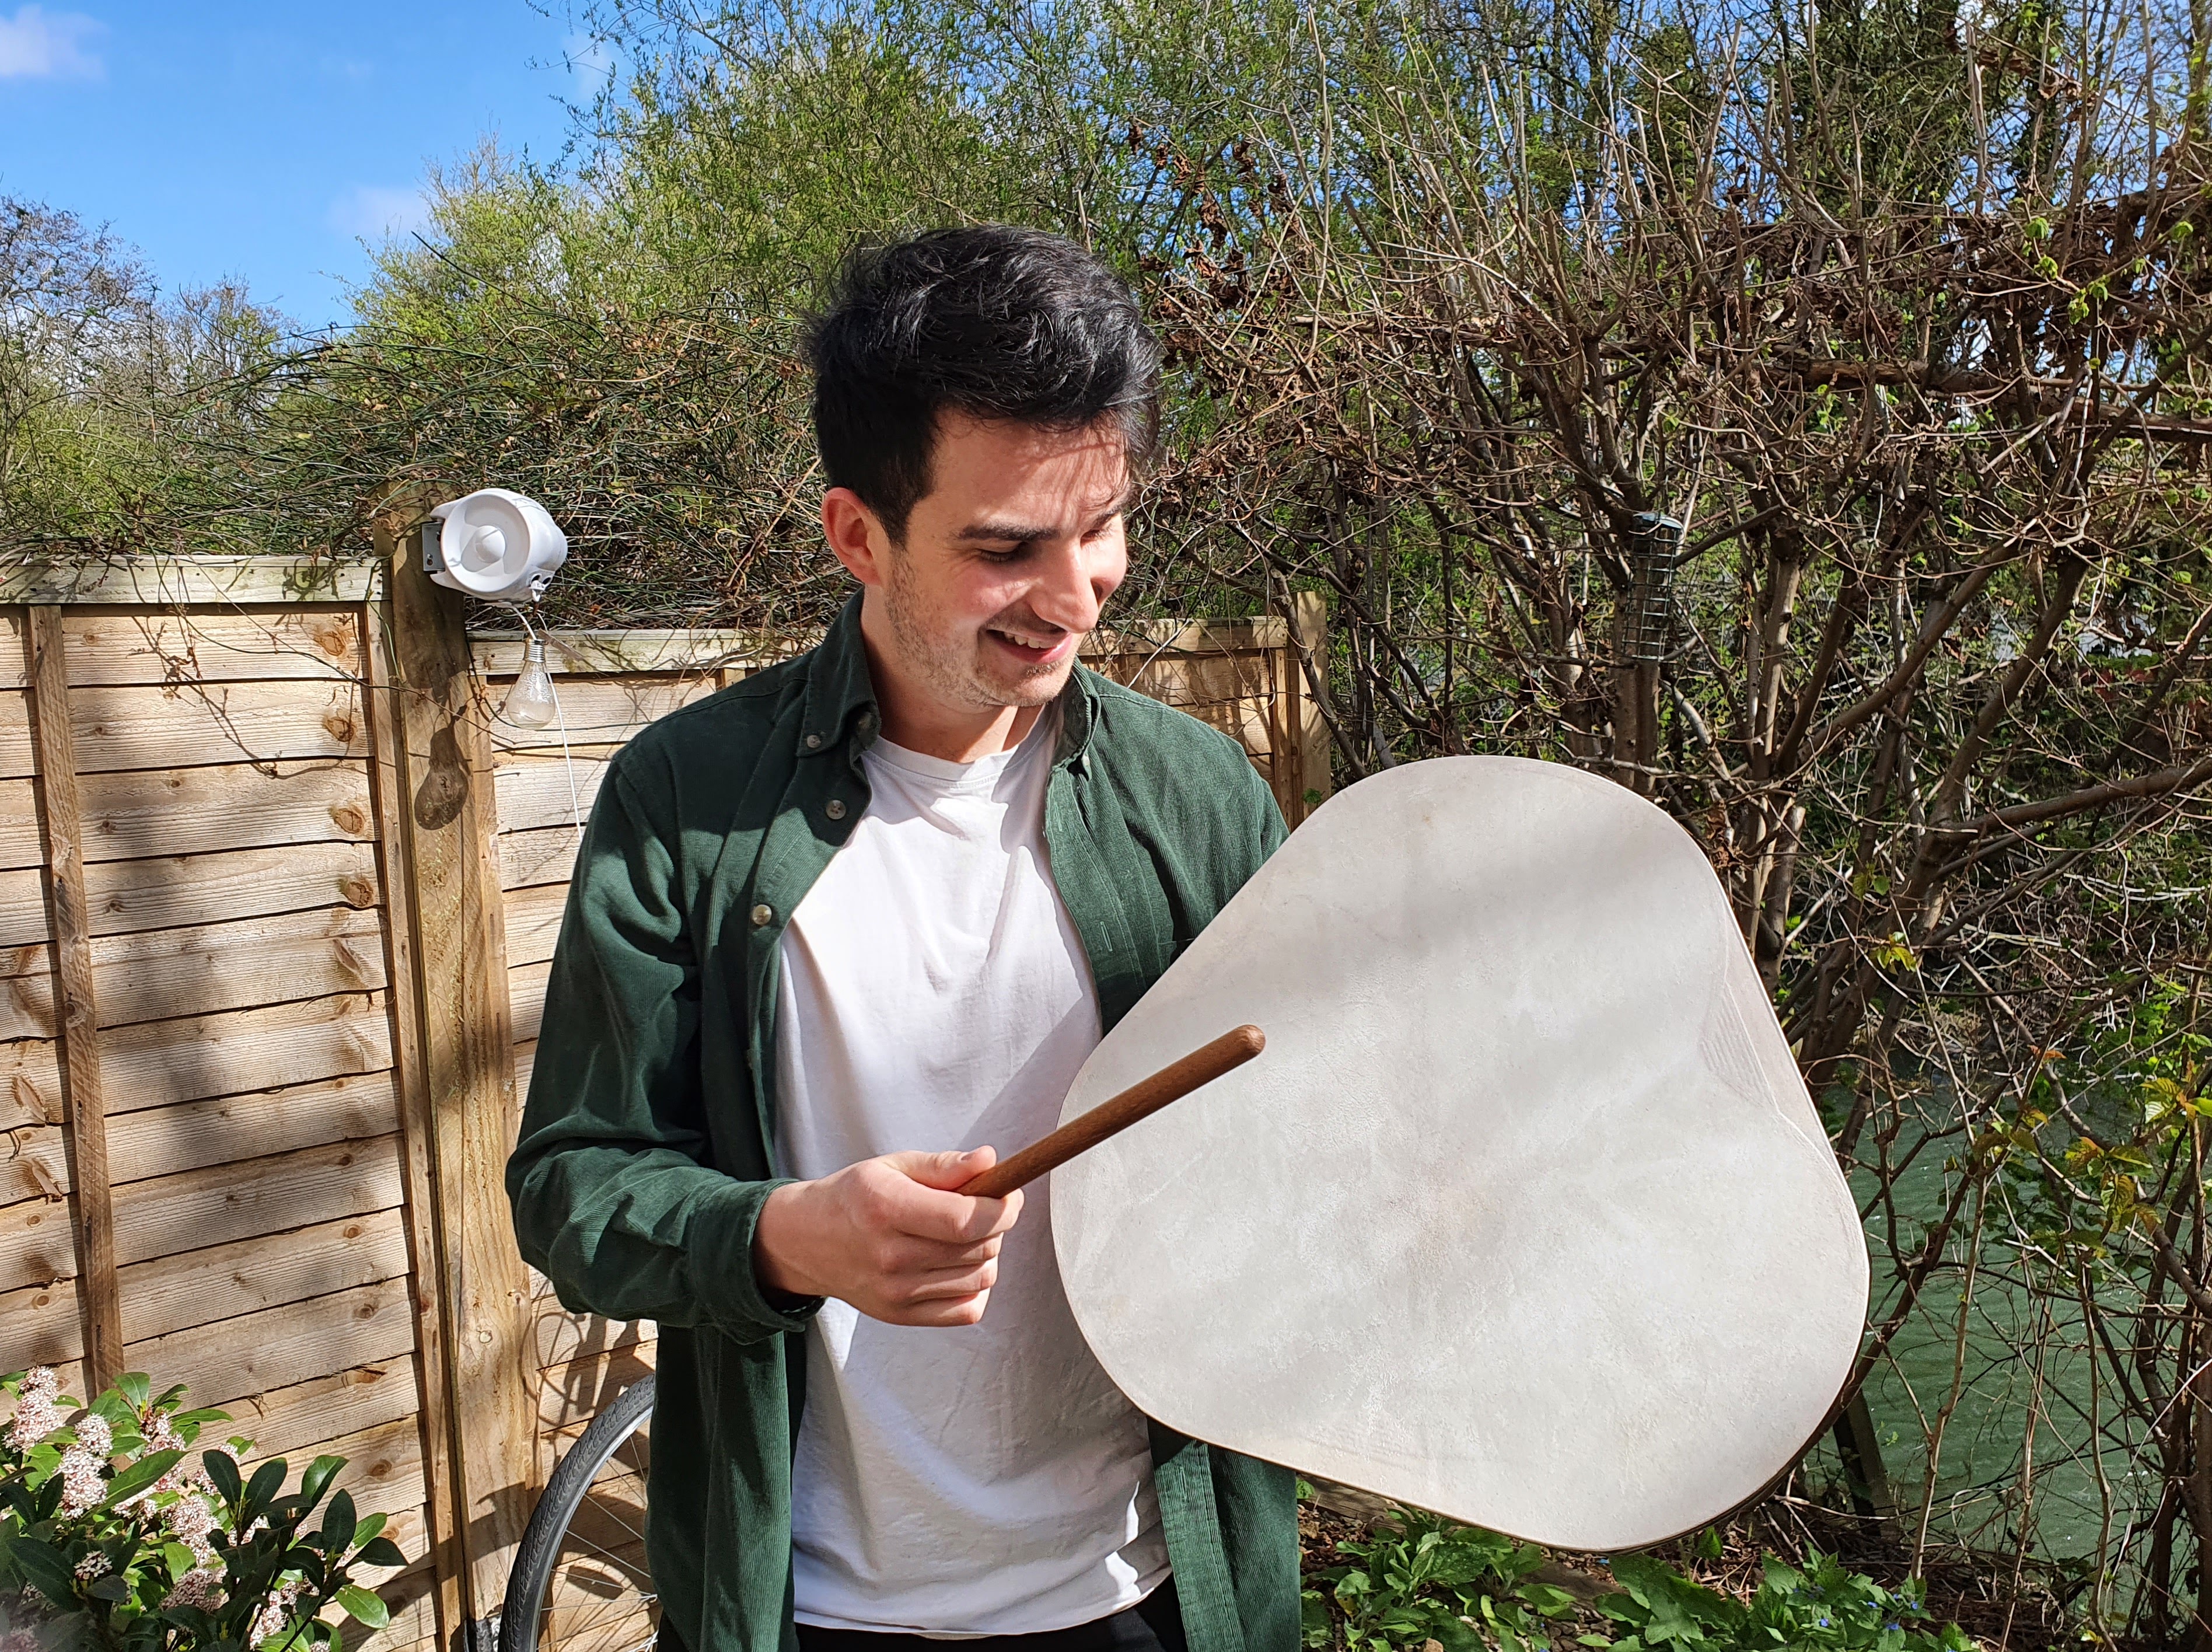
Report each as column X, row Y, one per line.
column 579, row 1583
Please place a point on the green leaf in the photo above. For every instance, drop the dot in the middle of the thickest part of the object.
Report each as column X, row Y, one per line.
column 338, row 1522
column 110, row 1588
column 262, row 1489
column 358, row 1602
column 47, row 1567
column 317, row 1480
column 140, row 1475
column 136, row 1387
column 369, row 1527
column 222, row 1470
column 383, row 1551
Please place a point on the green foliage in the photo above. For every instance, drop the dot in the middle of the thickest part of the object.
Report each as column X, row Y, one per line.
column 1431, row 1579
column 111, row 1539
column 1824, row 1606
column 1425, row 1579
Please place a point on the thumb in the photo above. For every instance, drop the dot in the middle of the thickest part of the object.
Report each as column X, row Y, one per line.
column 948, row 1171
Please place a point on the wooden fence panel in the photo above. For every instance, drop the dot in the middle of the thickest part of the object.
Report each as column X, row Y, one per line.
column 207, row 1173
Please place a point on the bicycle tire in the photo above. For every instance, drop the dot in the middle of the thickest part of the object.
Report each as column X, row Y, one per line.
column 544, row 1541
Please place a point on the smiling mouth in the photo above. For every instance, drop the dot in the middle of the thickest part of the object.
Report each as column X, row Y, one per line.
column 1033, row 648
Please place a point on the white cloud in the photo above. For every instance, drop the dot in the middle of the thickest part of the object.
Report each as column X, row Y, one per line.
column 373, row 211
column 592, row 62
column 38, row 45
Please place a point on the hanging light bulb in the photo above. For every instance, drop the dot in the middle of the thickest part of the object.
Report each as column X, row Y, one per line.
column 529, row 703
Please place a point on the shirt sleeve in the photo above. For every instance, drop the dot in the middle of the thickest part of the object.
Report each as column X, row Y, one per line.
column 614, row 1198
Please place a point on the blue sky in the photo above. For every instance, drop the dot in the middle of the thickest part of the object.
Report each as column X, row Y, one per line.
column 264, row 141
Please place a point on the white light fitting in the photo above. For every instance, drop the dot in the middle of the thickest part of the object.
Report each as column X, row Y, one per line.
column 496, row 544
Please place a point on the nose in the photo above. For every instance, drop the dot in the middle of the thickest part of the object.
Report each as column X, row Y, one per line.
column 1074, row 581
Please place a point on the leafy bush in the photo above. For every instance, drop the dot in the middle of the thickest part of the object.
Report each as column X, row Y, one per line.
column 1430, row 1579
column 110, row 1539
column 1426, row 1579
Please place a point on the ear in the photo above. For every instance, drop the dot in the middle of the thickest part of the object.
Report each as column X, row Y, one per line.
column 856, row 537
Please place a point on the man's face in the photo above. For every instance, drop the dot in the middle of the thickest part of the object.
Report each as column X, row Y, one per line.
column 1006, row 562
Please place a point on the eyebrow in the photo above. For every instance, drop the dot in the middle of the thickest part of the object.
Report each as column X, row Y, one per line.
column 1021, row 534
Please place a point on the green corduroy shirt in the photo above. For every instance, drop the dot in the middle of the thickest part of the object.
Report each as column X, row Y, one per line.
column 645, row 1152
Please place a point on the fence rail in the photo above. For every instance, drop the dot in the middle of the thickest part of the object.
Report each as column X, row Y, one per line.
column 278, row 894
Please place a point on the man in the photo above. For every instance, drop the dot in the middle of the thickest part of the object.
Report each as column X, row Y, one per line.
column 843, row 931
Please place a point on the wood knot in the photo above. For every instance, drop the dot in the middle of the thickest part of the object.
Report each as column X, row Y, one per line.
column 349, row 819
column 340, row 726
column 359, row 890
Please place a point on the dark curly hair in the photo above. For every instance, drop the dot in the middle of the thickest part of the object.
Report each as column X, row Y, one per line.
column 995, row 322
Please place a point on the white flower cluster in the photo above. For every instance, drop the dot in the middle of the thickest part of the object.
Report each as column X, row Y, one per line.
column 200, row 1587
column 95, row 1566
column 275, row 1613
column 36, row 1414
column 189, row 1521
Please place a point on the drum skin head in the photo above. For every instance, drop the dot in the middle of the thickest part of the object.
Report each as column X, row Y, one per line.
column 1524, row 1216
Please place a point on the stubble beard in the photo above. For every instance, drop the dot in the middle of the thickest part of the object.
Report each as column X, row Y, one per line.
column 951, row 666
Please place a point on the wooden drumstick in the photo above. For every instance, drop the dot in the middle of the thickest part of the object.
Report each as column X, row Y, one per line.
column 1141, row 1100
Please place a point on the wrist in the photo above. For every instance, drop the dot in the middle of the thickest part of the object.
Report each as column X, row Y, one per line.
column 775, row 1266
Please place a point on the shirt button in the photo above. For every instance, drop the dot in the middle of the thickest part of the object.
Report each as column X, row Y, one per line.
column 763, row 916
column 813, row 741
column 835, row 808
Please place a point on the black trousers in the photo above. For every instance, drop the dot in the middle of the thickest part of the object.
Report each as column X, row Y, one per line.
column 1153, row 1624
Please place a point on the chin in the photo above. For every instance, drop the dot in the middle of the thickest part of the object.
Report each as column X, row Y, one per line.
column 1040, row 687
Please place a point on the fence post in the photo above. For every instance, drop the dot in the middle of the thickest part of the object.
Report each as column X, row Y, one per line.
column 448, row 820
column 76, row 1016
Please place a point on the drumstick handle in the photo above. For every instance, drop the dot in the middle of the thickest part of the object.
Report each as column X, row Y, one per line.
column 1141, row 1100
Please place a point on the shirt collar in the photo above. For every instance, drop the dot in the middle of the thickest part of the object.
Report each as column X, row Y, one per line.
column 841, row 695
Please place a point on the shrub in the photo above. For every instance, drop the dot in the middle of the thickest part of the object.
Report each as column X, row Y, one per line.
column 110, row 1539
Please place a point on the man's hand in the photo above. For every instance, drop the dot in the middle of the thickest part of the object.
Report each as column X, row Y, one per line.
column 889, row 1237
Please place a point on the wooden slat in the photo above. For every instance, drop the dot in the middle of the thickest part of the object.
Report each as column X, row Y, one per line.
column 418, row 1132
column 217, row 647
column 533, row 922
column 164, row 973
column 449, row 825
column 125, row 895
column 578, row 1390
column 174, row 1293
column 533, row 859
column 156, row 1063
column 284, row 1421
column 499, row 653
column 526, row 1063
column 175, row 581
column 534, row 790
column 30, row 1084
column 140, row 727
column 18, row 756
column 228, row 1358
column 172, row 812
column 34, row 1163
column 39, row 1325
column 193, row 1209
column 36, row 1247
column 412, row 1599
column 384, row 1472
column 161, row 1141
column 77, row 1010
column 15, row 648
column 604, row 710
column 526, row 998
column 563, row 1338
column 21, row 842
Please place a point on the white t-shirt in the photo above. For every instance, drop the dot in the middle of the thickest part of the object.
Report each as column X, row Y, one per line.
column 985, row 1479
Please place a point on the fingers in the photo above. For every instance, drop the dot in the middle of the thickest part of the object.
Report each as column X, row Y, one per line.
column 917, row 1199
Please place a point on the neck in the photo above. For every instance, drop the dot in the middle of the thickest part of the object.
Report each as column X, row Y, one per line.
column 920, row 721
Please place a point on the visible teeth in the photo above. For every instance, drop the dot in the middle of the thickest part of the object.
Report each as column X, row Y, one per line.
column 1029, row 642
